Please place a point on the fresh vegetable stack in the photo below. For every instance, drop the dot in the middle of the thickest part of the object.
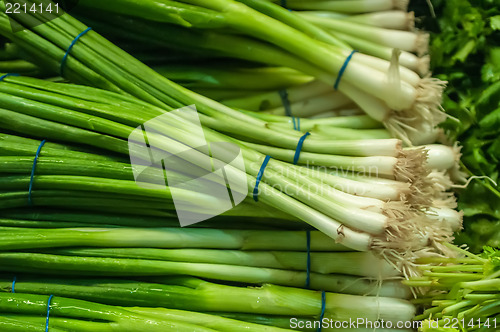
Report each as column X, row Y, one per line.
column 342, row 202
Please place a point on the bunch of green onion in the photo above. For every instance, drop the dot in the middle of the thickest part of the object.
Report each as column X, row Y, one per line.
column 356, row 210
column 270, row 306
column 386, row 85
column 354, row 214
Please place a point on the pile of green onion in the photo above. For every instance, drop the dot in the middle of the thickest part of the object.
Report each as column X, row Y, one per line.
column 336, row 224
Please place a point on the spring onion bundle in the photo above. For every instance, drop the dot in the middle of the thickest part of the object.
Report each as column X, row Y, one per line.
column 179, row 292
column 230, row 255
column 324, row 200
column 23, row 312
column 331, row 201
column 371, row 82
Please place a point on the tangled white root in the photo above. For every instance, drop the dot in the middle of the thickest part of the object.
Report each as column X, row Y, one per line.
column 419, row 236
column 425, row 114
column 411, row 165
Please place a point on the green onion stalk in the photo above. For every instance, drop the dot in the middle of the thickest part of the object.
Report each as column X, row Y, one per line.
column 103, row 127
column 347, row 7
column 70, row 266
column 260, row 52
column 78, row 315
column 372, row 82
column 274, row 259
column 443, row 157
column 389, row 19
column 58, row 218
column 187, row 293
column 215, row 43
column 19, row 66
column 273, row 100
column 381, row 40
column 349, row 127
column 304, row 108
column 307, row 325
column 55, row 111
column 461, row 290
column 194, row 250
column 227, row 239
column 237, row 77
column 412, row 42
column 418, row 64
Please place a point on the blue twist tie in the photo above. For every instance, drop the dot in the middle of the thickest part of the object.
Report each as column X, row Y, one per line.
column 48, row 313
column 14, row 285
column 342, row 70
column 6, row 75
column 308, row 277
column 33, row 171
column 323, row 308
column 65, row 58
column 299, row 148
column 259, row 177
column 288, row 109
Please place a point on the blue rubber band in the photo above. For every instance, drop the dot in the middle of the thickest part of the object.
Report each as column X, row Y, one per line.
column 308, row 277
column 342, row 70
column 286, row 103
column 7, row 75
column 288, row 109
column 14, row 285
column 65, row 58
column 299, row 148
column 259, row 177
column 323, row 308
column 33, row 171
column 48, row 314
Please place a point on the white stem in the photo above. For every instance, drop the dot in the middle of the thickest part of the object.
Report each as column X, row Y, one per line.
column 341, row 234
column 350, row 6
column 384, row 189
column 440, row 157
column 330, row 101
column 273, row 99
column 448, row 216
column 392, row 19
column 339, row 113
column 375, row 82
column 394, row 79
column 338, row 192
column 407, row 59
column 407, row 75
column 364, row 264
column 425, row 133
column 371, row 308
column 373, row 106
column 416, row 42
column 311, row 193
